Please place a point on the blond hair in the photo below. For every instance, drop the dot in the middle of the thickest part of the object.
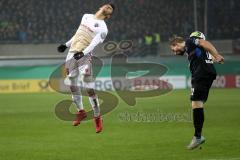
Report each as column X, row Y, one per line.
column 176, row 39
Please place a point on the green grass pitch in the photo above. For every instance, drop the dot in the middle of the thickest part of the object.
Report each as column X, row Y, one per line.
column 29, row 130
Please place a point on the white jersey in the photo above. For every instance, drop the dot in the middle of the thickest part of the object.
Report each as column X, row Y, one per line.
column 90, row 33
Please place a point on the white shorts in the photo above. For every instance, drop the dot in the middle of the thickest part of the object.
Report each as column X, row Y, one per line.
column 80, row 69
column 75, row 67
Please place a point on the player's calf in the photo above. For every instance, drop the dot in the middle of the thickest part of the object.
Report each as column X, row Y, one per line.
column 93, row 99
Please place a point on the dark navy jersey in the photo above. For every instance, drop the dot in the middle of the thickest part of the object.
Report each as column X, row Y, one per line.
column 201, row 63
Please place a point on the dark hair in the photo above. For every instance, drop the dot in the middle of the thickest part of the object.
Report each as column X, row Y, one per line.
column 112, row 5
column 176, row 39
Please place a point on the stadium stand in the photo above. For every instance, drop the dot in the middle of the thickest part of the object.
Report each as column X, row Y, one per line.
column 55, row 21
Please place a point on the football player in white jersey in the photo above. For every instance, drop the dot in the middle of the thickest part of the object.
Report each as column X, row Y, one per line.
column 91, row 32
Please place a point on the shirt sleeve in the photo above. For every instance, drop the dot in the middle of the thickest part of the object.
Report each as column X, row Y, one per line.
column 194, row 41
column 68, row 44
column 99, row 38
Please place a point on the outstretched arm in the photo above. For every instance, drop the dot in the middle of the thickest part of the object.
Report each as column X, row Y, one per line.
column 63, row 47
column 99, row 38
column 212, row 50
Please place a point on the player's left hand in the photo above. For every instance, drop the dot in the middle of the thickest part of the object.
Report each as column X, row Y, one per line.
column 78, row 55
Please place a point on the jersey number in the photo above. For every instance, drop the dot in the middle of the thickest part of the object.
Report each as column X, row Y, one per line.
column 209, row 58
column 192, row 91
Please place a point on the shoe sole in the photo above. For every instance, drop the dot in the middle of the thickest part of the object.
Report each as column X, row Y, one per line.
column 197, row 145
column 99, row 131
column 80, row 121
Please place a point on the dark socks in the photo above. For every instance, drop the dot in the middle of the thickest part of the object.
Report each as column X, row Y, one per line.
column 198, row 119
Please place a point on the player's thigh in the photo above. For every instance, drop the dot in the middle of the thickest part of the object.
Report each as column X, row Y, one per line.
column 88, row 79
column 87, row 73
column 88, row 82
column 71, row 66
column 199, row 91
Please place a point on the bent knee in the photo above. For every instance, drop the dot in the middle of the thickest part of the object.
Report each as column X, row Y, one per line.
column 91, row 92
column 197, row 104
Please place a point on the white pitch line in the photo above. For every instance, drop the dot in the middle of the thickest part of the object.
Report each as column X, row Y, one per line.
column 223, row 159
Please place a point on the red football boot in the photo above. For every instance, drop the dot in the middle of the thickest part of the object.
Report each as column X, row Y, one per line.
column 98, row 123
column 79, row 117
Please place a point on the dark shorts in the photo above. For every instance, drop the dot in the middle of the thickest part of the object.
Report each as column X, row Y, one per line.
column 200, row 89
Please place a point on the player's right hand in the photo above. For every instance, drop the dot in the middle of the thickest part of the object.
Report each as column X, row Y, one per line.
column 219, row 59
column 62, row 48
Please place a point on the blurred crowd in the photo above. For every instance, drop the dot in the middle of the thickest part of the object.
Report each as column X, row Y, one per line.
column 144, row 21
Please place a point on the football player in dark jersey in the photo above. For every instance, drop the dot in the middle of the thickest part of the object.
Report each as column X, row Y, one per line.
column 201, row 55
